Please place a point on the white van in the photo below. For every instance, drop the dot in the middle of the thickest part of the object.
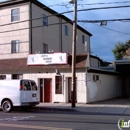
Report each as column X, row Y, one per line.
column 21, row 93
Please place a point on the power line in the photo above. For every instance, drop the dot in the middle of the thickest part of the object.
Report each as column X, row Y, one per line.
column 60, row 4
column 98, row 21
column 56, row 14
column 59, row 14
column 105, row 3
column 34, row 27
column 72, row 11
column 14, row 53
column 14, row 35
column 114, row 7
column 9, row 43
column 65, row 6
column 113, row 29
column 85, row 21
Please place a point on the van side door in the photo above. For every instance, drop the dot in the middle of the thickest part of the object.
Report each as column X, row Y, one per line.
column 26, row 91
column 35, row 92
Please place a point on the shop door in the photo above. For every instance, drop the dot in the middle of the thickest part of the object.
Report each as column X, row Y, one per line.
column 47, row 90
column 41, row 89
column 69, row 90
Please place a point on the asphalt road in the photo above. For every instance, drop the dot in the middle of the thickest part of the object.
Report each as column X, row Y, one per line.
column 53, row 120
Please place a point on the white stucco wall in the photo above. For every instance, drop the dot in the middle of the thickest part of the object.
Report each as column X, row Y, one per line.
column 105, row 88
column 81, row 88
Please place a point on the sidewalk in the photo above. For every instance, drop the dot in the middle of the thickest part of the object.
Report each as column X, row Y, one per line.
column 113, row 106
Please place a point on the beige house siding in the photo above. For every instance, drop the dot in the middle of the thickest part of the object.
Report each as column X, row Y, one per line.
column 42, row 34
column 67, row 40
column 14, row 31
column 95, row 62
column 54, row 35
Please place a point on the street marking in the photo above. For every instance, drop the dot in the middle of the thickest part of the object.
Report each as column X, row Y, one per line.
column 33, row 127
column 16, row 118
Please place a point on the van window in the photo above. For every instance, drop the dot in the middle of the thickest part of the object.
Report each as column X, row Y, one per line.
column 34, row 86
column 26, row 85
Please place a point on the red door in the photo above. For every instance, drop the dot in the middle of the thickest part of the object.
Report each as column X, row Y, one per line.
column 47, row 90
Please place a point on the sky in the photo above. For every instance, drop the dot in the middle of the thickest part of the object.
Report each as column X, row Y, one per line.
column 103, row 38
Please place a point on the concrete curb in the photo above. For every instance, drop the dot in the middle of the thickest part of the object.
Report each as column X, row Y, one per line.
column 54, row 109
column 74, row 110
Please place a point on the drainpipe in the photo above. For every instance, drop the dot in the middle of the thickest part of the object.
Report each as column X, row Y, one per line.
column 30, row 27
column 60, row 34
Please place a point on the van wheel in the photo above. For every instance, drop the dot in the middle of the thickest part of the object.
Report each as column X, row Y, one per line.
column 7, row 106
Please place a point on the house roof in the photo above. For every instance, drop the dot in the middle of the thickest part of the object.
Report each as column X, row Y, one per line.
column 14, row 2
column 21, row 64
column 102, row 71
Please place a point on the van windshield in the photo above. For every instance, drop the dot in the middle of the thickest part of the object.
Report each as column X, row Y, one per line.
column 34, row 86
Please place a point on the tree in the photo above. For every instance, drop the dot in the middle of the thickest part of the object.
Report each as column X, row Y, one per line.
column 120, row 49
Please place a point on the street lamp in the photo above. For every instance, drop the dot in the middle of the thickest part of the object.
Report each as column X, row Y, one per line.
column 73, row 88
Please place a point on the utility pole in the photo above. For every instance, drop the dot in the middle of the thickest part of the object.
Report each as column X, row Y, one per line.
column 73, row 89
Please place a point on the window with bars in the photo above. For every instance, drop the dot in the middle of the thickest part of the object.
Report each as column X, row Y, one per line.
column 15, row 15
column 45, row 20
column 14, row 46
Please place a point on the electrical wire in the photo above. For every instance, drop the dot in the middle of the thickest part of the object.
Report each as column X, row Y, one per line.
column 85, row 21
column 72, row 11
column 14, row 53
column 9, row 43
column 45, row 7
column 66, row 6
column 105, row 3
column 112, row 29
column 107, row 20
column 34, row 27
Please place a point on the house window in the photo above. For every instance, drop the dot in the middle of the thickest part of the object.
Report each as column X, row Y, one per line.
column 66, row 30
column 14, row 46
column 95, row 77
column 2, row 77
column 45, row 20
column 83, row 39
column 58, row 87
column 45, row 48
column 17, row 76
column 15, row 15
